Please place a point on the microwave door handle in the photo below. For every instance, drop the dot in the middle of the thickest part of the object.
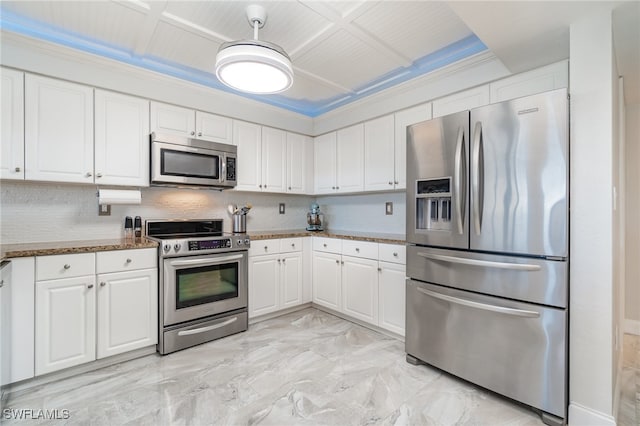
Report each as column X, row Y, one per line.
column 208, row 261
column 223, row 168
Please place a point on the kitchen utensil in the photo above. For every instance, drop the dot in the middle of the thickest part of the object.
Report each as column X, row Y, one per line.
column 239, row 223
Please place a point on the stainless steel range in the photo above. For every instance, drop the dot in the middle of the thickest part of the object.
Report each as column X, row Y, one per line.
column 203, row 282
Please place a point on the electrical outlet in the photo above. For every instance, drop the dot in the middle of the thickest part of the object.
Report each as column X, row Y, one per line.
column 104, row 210
column 388, row 208
column 281, row 208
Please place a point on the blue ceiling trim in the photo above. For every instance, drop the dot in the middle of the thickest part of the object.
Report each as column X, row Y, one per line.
column 454, row 52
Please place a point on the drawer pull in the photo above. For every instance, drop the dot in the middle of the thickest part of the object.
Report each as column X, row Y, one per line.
column 395, row 254
column 324, row 245
column 90, row 286
column 357, row 250
column 293, row 245
column 102, row 284
column 67, row 266
column 337, row 262
column 266, row 248
column 128, row 260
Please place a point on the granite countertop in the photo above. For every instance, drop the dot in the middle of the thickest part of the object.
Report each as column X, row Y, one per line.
column 345, row 235
column 68, row 247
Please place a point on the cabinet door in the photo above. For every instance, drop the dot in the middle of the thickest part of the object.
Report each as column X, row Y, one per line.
column 58, row 130
column 22, row 318
column 327, row 280
column 65, row 323
column 5, row 327
column 391, row 292
column 264, row 284
column 122, row 139
column 360, row 288
column 12, row 131
column 173, row 120
column 291, row 280
column 274, row 160
column 403, row 119
column 378, row 154
column 214, row 128
column 461, row 101
column 299, row 163
column 247, row 137
column 324, row 163
column 350, row 159
column 127, row 311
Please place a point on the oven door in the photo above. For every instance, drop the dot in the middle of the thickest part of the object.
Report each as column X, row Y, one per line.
column 201, row 286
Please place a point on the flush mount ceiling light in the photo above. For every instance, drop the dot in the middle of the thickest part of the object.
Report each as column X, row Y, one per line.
column 254, row 66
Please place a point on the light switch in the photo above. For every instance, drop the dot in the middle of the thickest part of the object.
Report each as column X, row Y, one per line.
column 281, row 208
column 388, row 208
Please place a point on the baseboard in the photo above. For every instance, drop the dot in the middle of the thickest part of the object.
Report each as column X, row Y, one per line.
column 280, row 313
column 632, row 327
column 579, row 415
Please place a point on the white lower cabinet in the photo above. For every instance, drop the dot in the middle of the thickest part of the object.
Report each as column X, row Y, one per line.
column 79, row 319
column 363, row 280
column 276, row 275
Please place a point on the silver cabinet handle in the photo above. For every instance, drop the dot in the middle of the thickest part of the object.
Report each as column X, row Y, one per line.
column 289, row 188
column 396, row 182
column 337, row 187
column 357, row 250
column 390, row 183
column 90, row 286
column 484, row 263
column 193, row 133
column 102, row 284
column 98, row 175
column 128, row 260
column 482, row 306
column 199, row 133
column 67, row 266
column 208, row 328
column 324, row 245
column 395, row 254
column 17, row 169
column 283, row 260
column 337, row 262
column 1, row 283
column 333, row 187
column 279, row 260
column 265, row 186
column 293, row 245
column 459, row 195
column 88, row 174
column 260, row 185
column 342, row 262
column 379, row 269
column 266, row 248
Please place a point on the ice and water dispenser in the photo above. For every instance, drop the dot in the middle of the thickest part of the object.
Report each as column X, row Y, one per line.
column 433, row 204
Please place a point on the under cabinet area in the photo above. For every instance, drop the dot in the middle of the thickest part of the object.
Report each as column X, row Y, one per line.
column 81, row 316
column 363, row 280
column 277, row 277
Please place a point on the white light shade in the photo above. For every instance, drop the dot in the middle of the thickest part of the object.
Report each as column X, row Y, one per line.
column 254, row 66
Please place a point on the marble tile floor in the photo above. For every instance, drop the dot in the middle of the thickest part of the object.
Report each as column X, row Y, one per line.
column 629, row 405
column 303, row 368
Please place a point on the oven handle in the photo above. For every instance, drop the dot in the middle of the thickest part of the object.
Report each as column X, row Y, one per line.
column 208, row 328
column 207, row 261
column 482, row 306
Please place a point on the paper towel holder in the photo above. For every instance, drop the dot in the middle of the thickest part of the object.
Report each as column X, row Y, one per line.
column 106, row 197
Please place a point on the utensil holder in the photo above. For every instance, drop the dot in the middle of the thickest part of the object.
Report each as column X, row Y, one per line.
column 239, row 223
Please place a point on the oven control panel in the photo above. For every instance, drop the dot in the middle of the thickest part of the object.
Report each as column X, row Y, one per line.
column 210, row 244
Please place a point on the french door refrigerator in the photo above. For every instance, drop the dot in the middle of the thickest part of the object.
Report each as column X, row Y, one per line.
column 487, row 255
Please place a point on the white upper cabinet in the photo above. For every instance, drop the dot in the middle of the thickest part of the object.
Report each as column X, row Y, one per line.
column 12, row 136
column 324, row 163
column 58, row 130
column 403, row 119
column 467, row 99
column 379, row 154
column 213, row 128
column 350, row 159
column 299, row 163
column 554, row 76
column 248, row 137
column 173, row 120
column 121, row 139
column 274, row 159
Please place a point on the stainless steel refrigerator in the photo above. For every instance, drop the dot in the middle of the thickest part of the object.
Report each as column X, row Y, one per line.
column 487, row 256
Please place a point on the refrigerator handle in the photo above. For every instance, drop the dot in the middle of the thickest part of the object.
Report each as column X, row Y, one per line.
column 483, row 306
column 477, row 177
column 460, row 195
column 482, row 263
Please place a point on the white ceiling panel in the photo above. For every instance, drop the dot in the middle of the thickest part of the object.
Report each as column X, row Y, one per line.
column 176, row 45
column 415, row 29
column 346, row 60
column 309, row 89
column 344, row 8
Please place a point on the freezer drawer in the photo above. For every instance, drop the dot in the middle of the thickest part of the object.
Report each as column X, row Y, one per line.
column 512, row 348
column 528, row 279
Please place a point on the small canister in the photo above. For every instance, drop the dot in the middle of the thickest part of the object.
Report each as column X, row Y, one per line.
column 239, row 223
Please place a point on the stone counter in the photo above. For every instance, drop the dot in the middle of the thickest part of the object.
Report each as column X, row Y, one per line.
column 8, row 251
column 345, row 235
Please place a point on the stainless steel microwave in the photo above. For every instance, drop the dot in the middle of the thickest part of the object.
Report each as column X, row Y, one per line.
column 179, row 161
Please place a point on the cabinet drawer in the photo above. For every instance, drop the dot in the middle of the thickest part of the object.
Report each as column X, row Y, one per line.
column 261, row 247
column 65, row 266
column 125, row 260
column 394, row 253
column 290, row 244
column 331, row 245
column 360, row 249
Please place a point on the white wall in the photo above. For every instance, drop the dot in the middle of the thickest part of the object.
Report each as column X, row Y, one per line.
column 632, row 246
column 591, row 241
column 37, row 212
